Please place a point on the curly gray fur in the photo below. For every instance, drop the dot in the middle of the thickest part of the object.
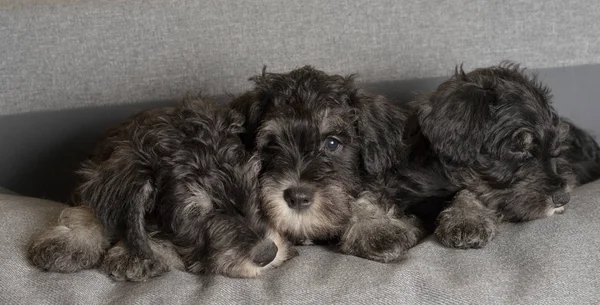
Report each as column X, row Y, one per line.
column 183, row 173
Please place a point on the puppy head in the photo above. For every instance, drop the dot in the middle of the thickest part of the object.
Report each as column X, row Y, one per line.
column 220, row 215
column 318, row 137
column 309, row 171
column 499, row 123
column 303, row 129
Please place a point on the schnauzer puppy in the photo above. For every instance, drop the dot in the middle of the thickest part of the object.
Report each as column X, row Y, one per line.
column 177, row 189
column 492, row 137
column 328, row 152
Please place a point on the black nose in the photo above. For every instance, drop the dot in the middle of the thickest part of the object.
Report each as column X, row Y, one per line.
column 264, row 253
column 298, row 197
column 561, row 198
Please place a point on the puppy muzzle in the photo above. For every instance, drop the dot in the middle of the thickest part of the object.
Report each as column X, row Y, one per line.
column 264, row 253
column 298, row 198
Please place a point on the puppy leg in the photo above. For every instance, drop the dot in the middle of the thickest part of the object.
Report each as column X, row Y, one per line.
column 466, row 223
column 124, row 265
column 378, row 234
column 135, row 259
column 77, row 243
column 139, row 259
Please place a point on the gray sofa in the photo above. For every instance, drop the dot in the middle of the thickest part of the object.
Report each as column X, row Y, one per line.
column 69, row 68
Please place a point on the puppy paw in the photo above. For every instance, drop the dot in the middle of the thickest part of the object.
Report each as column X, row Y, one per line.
column 379, row 235
column 56, row 250
column 123, row 266
column 386, row 242
column 465, row 229
column 62, row 249
column 77, row 243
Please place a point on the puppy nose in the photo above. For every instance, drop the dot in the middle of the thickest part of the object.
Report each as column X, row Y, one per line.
column 298, row 198
column 264, row 253
column 561, row 198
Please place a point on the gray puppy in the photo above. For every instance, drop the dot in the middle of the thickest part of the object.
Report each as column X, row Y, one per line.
column 492, row 138
column 329, row 153
column 175, row 188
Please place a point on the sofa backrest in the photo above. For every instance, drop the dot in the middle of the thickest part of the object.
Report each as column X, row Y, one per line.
column 73, row 53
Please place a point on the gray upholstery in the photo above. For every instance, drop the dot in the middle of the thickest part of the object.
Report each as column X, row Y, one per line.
column 550, row 261
column 72, row 53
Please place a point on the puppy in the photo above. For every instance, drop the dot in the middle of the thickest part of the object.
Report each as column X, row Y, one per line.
column 177, row 189
column 328, row 154
column 492, row 138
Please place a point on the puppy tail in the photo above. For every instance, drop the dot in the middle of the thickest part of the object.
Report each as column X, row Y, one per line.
column 77, row 242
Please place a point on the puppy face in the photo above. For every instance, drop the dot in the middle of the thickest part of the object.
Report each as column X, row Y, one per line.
column 304, row 126
column 309, row 170
column 217, row 194
column 498, row 124
column 321, row 141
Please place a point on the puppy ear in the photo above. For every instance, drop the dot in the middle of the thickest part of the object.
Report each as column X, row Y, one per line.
column 519, row 146
column 454, row 119
column 380, row 133
column 252, row 108
column 254, row 104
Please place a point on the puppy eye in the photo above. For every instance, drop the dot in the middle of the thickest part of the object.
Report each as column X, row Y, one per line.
column 332, row 144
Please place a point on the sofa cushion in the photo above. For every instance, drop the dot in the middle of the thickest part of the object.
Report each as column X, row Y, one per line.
column 549, row 261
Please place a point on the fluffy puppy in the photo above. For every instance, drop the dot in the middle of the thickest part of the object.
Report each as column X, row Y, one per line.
column 181, row 173
column 492, row 137
column 328, row 152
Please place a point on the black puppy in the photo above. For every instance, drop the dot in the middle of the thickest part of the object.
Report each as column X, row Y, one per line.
column 328, row 154
column 182, row 172
column 492, row 137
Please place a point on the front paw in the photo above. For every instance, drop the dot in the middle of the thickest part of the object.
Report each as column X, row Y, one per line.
column 383, row 240
column 62, row 249
column 124, row 266
column 464, row 229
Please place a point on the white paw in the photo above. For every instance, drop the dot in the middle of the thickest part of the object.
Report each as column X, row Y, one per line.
column 306, row 242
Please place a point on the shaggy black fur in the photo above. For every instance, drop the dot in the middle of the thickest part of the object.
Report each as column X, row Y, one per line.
column 184, row 173
column 493, row 135
column 583, row 153
column 328, row 152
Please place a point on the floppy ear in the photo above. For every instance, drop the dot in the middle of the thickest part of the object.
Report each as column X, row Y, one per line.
column 454, row 119
column 380, row 127
column 254, row 104
column 252, row 107
column 520, row 147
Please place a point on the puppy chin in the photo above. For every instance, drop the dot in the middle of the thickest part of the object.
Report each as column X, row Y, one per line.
column 553, row 211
